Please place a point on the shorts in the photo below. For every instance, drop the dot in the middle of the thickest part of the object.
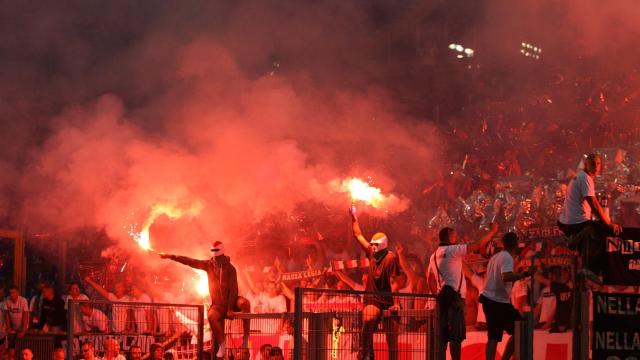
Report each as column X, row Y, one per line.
column 501, row 317
column 452, row 322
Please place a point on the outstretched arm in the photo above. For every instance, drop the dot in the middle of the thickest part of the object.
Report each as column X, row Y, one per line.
column 473, row 247
column 102, row 291
column 194, row 263
column 357, row 233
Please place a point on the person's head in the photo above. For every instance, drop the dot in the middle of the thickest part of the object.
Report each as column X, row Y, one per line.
column 272, row 288
column 111, row 347
column 136, row 290
column 58, row 354
column 135, row 351
column 169, row 355
column 265, row 349
column 86, row 309
column 14, row 293
column 275, row 353
column 156, row 351
column 119, row 289
column 74, row 289
column 88, row 352
column 379, row 242
column 48, row 292
column 592, row 164
column 287, row 324
column 510, row 242
column 27, row 354
column 243, row 354
column 217, row 249
column 448, row 235
column 40, row 285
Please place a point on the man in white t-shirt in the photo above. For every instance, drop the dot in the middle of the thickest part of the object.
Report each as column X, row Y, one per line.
column 143, row 315
column 451, row 287
column 76, row 295
column 576, row 213
column 16, row 315
column 496, row 297
column 120, row 313
column 94, row 320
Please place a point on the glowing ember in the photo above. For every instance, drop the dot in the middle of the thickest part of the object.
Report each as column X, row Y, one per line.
column 360, row 190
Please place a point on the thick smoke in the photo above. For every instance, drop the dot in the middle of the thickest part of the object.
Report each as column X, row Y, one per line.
column 244, row 107
column 242, row 110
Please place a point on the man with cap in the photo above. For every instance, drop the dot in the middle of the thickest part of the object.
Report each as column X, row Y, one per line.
column 223, row 290
column 383, row 266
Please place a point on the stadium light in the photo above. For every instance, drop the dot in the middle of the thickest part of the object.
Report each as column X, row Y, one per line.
column 530, row 50
column 461, row 51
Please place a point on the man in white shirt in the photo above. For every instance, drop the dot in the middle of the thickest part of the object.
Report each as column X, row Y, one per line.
column 579, row 205
column 120, row 314
column 75, row 294
column 496, row 297
column 94, row 320
column 451, row 287
column 16, row 313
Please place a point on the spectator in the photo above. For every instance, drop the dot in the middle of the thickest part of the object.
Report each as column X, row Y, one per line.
column 94, row 320
column 112, row 350
column 155, row 352
column 53, row 317
column 16, row 317
column 3, row 324
column 120, row 314
column 76, row 295
column 35, row 303
column 88, row 351
column 143, row 315
column 272, row 300
column 276, row 353
column 58, row 354
column 265, row 349
column 27, row 354
column 135, row 352
column 171, row 355
column 243, row 354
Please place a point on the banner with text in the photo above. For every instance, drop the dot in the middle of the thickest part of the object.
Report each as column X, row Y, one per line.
column 616, row 334
column 623, row 259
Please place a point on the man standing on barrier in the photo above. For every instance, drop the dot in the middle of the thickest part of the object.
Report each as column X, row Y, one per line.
column 575, row 218
column 223, row 289
column 496, row 297
column 383, row 266
column 451, row 287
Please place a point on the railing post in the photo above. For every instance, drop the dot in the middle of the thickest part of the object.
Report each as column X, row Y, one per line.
column 201, row 332
column 70, row 318
column 297, row 326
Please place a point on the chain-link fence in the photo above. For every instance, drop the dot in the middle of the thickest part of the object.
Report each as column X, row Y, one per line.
column 340, row 324
column 121, row 327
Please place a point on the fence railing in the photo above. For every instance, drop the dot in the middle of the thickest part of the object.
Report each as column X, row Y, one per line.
column 172, row 326
column 341, row 324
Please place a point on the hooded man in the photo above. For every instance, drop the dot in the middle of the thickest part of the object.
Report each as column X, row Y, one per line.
column 223, row 290
column 383, row 266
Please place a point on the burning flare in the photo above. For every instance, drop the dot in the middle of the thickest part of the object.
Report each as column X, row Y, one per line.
column 362, row 191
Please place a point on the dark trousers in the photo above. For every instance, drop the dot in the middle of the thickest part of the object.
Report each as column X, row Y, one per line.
column 589, row 238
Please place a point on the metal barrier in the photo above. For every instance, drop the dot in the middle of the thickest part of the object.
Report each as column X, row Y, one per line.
column 341, row 324
column 274, row 329
column 173, row 326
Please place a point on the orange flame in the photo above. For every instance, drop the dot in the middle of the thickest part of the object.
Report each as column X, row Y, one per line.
column 174, row 212
column 362, row 191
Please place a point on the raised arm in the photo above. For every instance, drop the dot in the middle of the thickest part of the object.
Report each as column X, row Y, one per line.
column 414, row 277
column 475, row 246
column 194, row 263
column 357, row 233
column 102, row 291
column 346, row 279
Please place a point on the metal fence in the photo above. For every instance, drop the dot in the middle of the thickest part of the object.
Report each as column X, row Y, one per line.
column 341, row 324
column 175, row 327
